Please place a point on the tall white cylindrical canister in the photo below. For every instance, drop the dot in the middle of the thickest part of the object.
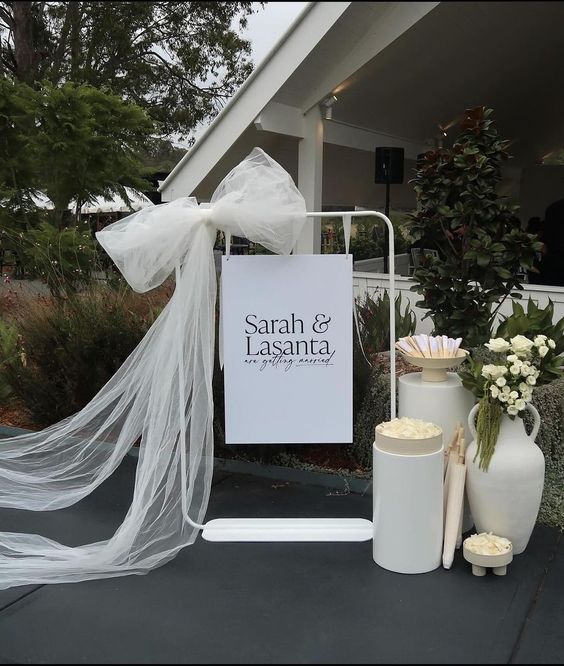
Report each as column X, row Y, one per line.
column 408, row 503
column 445, row 403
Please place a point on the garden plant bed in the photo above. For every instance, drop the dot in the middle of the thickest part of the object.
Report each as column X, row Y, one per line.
column 16, row 416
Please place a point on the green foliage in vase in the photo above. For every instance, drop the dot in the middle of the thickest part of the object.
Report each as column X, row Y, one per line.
column 470, row 373
column 480, row 243
column 487, row 431
column 505, row 386
column 532, row 322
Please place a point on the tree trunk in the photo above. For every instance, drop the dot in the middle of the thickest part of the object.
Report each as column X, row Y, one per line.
column 75, row 11
column 24, row 52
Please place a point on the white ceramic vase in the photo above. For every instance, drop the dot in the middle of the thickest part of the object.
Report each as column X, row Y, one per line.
column 506, row 499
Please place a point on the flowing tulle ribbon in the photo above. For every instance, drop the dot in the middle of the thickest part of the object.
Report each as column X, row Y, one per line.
column 161, row 395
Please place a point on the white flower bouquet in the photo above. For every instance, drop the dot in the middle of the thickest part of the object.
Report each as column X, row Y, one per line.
column 506, row 386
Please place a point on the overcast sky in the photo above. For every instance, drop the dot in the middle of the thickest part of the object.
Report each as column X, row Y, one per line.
column 269, row 24
column 263, row 30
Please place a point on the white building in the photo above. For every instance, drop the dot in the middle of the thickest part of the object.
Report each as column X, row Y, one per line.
column 399, row 71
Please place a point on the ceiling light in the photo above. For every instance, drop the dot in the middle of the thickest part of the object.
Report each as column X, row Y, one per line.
column 327, row 106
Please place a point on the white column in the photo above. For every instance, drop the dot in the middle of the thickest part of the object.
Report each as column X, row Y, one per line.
column 310, row 175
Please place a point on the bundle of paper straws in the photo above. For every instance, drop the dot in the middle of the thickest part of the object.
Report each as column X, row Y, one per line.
column 428, row 346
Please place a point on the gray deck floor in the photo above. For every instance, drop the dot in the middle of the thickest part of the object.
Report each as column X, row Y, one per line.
column 279, row 603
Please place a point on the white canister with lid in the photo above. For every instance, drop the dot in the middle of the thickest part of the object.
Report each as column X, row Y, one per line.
column 408, row 497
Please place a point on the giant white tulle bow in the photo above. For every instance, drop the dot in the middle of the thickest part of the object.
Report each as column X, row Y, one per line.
column 256, row 200
column 162, row 395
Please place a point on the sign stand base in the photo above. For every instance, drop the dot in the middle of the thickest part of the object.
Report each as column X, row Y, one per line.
column 288, row 529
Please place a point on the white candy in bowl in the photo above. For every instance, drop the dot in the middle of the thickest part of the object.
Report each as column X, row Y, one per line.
column 488, row 551
column 406, row 436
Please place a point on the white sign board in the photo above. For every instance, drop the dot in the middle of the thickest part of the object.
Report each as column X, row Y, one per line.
column 287, row 345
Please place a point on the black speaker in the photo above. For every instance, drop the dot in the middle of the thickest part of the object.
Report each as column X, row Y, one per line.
column 389, row 166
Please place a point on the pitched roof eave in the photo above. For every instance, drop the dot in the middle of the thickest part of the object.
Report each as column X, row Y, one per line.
column 291, row 49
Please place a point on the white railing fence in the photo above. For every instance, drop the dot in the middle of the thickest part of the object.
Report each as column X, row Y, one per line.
column 378, row 282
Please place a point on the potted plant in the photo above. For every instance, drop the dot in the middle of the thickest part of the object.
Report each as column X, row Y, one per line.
column 481, row 249
column 505, row 468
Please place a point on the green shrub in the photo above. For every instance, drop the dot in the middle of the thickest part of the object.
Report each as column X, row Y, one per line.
column 375, row 409
column 365, row 244
column 362, row 371
column 8, row 355
column 67, row 349
column 374, row 327
column 552, row 505
column 63, row 258
column 549, row 401
column 369, row 239
column 374, row 322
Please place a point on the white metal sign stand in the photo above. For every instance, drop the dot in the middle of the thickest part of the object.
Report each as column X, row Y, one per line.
column 314, row 529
